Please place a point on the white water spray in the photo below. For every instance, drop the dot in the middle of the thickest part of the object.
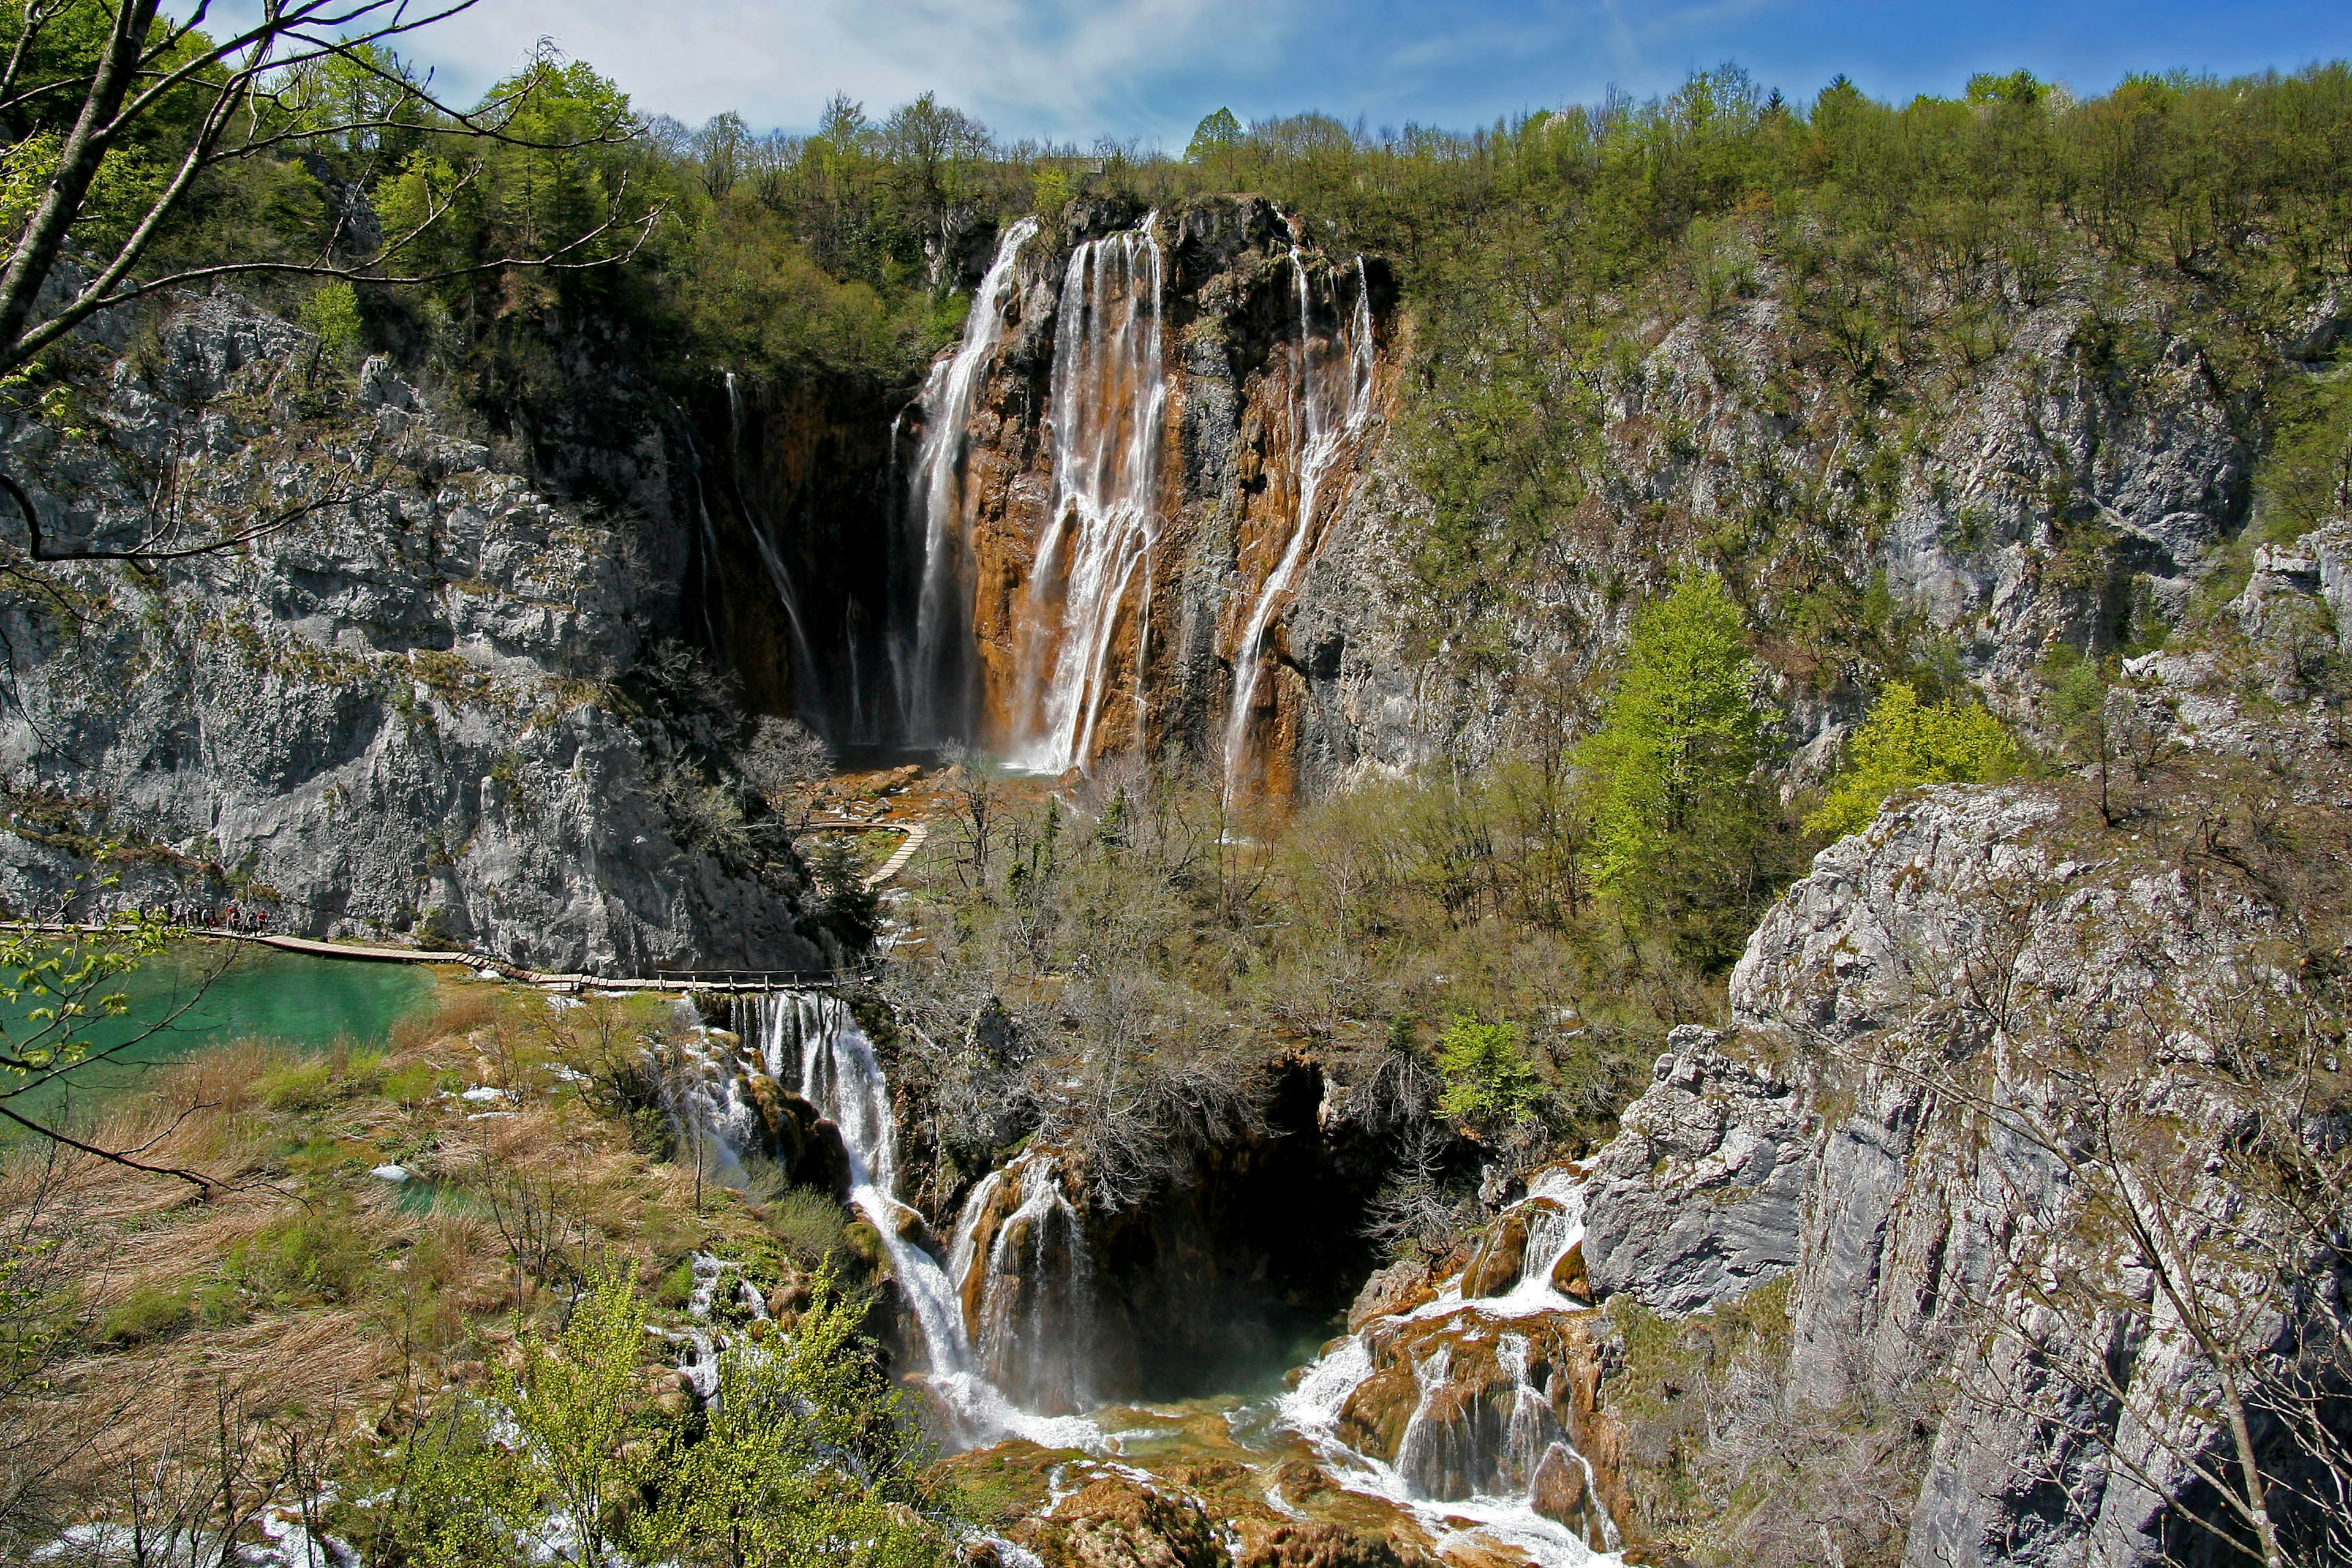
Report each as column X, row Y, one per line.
column 1467, row 1464
column 1331, row 399
column 1031, row 1302
column 1109, row 412
column 815, row 1042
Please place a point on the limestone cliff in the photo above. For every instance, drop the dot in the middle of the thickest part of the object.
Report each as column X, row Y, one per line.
column 414, row 697
column 1933, row 1032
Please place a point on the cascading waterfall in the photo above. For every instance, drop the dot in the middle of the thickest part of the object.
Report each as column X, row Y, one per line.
column 1026, row 1287
column 1471, row 1457
column 938, row 689
column 1330, row 401
column 814, row 1042
column 804, row 664
column 1109, row 411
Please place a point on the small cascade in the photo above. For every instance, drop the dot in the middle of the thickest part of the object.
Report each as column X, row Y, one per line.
column 815, row 1041
column 1025, row 1285
column 1109, row 412
column 938, row 687
column 1486, row 1449
column 1330, row 402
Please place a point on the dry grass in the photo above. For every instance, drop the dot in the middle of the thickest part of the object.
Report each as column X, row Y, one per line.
column 299, row 1298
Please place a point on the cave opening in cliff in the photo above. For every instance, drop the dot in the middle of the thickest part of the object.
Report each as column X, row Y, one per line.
column 1227, row 1282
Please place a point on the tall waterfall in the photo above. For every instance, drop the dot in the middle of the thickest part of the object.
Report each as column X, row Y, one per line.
column 938, row 683
column 1020, row 1267
column 1330, row 400
column 807, row 697
column 1109, row 410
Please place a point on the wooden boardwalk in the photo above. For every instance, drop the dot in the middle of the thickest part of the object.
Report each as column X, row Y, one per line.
column 917, row 833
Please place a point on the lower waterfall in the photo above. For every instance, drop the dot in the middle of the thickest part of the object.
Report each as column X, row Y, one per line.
column 1478, row 1443
column 814, row 1042
column 1475, row 1457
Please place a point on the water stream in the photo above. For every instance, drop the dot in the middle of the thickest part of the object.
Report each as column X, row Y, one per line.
column 814, row 1042
column 1006, row 1319
column 1330, row 401
column 1466, row 1466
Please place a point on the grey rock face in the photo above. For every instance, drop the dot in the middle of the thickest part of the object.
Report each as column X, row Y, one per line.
column 1914, row 1221
column 397, row 707
column 1696, row 1197
column 1726, row 419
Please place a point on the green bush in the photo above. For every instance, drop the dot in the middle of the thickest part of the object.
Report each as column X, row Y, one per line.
column 316, row 1256
column 809, row 1223
column 1906, row 744
column 1487, row 1077
column 299, row 1085
column 333, row 312
column 148, row 1312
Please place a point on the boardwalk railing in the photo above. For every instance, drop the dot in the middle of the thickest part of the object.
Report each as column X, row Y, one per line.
column 768, row 979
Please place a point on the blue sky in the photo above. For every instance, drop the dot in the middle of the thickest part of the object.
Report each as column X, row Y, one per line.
column 1148, row 70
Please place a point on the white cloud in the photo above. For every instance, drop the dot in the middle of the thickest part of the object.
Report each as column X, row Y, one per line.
column 1067, row 69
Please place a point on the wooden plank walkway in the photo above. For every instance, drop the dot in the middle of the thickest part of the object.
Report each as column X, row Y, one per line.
column 917, row 833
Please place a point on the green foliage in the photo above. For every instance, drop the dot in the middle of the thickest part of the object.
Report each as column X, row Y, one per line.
column 1906, row 744
column 570, row 1399
column 332, row 311
column 850, row 910
column 1216, row 135
column 1488, row 1078
column 459, row 1492
column 2306, row 477
column 1680, row 734
column 149, row 1311
column 809, row 1223
column 315, row 1257
column 802, row 1458
column 55, row 985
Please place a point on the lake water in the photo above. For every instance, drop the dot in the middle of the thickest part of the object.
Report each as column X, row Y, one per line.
column 215, row 992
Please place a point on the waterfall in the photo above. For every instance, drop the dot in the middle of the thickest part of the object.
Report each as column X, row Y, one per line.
column 1330, row 399
column 1109, row 410
column 805, row 665
column 941, row 684
column 1480, row 1446
column 813, row 1041
column 1026, row 1287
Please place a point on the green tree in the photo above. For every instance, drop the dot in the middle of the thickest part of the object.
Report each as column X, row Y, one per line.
column 1488, row 1079
column 572, row 1399
column 1906, row 744
column 1680, row 735
column 802, row 1458
column 1218, row 134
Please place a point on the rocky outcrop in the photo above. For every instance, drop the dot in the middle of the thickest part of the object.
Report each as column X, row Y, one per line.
column 2057, row 490
column 1926, row 985
column 412, row 699
column 1696, row 1197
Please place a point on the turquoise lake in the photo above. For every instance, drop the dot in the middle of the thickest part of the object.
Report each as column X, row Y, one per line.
column 212, row 993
